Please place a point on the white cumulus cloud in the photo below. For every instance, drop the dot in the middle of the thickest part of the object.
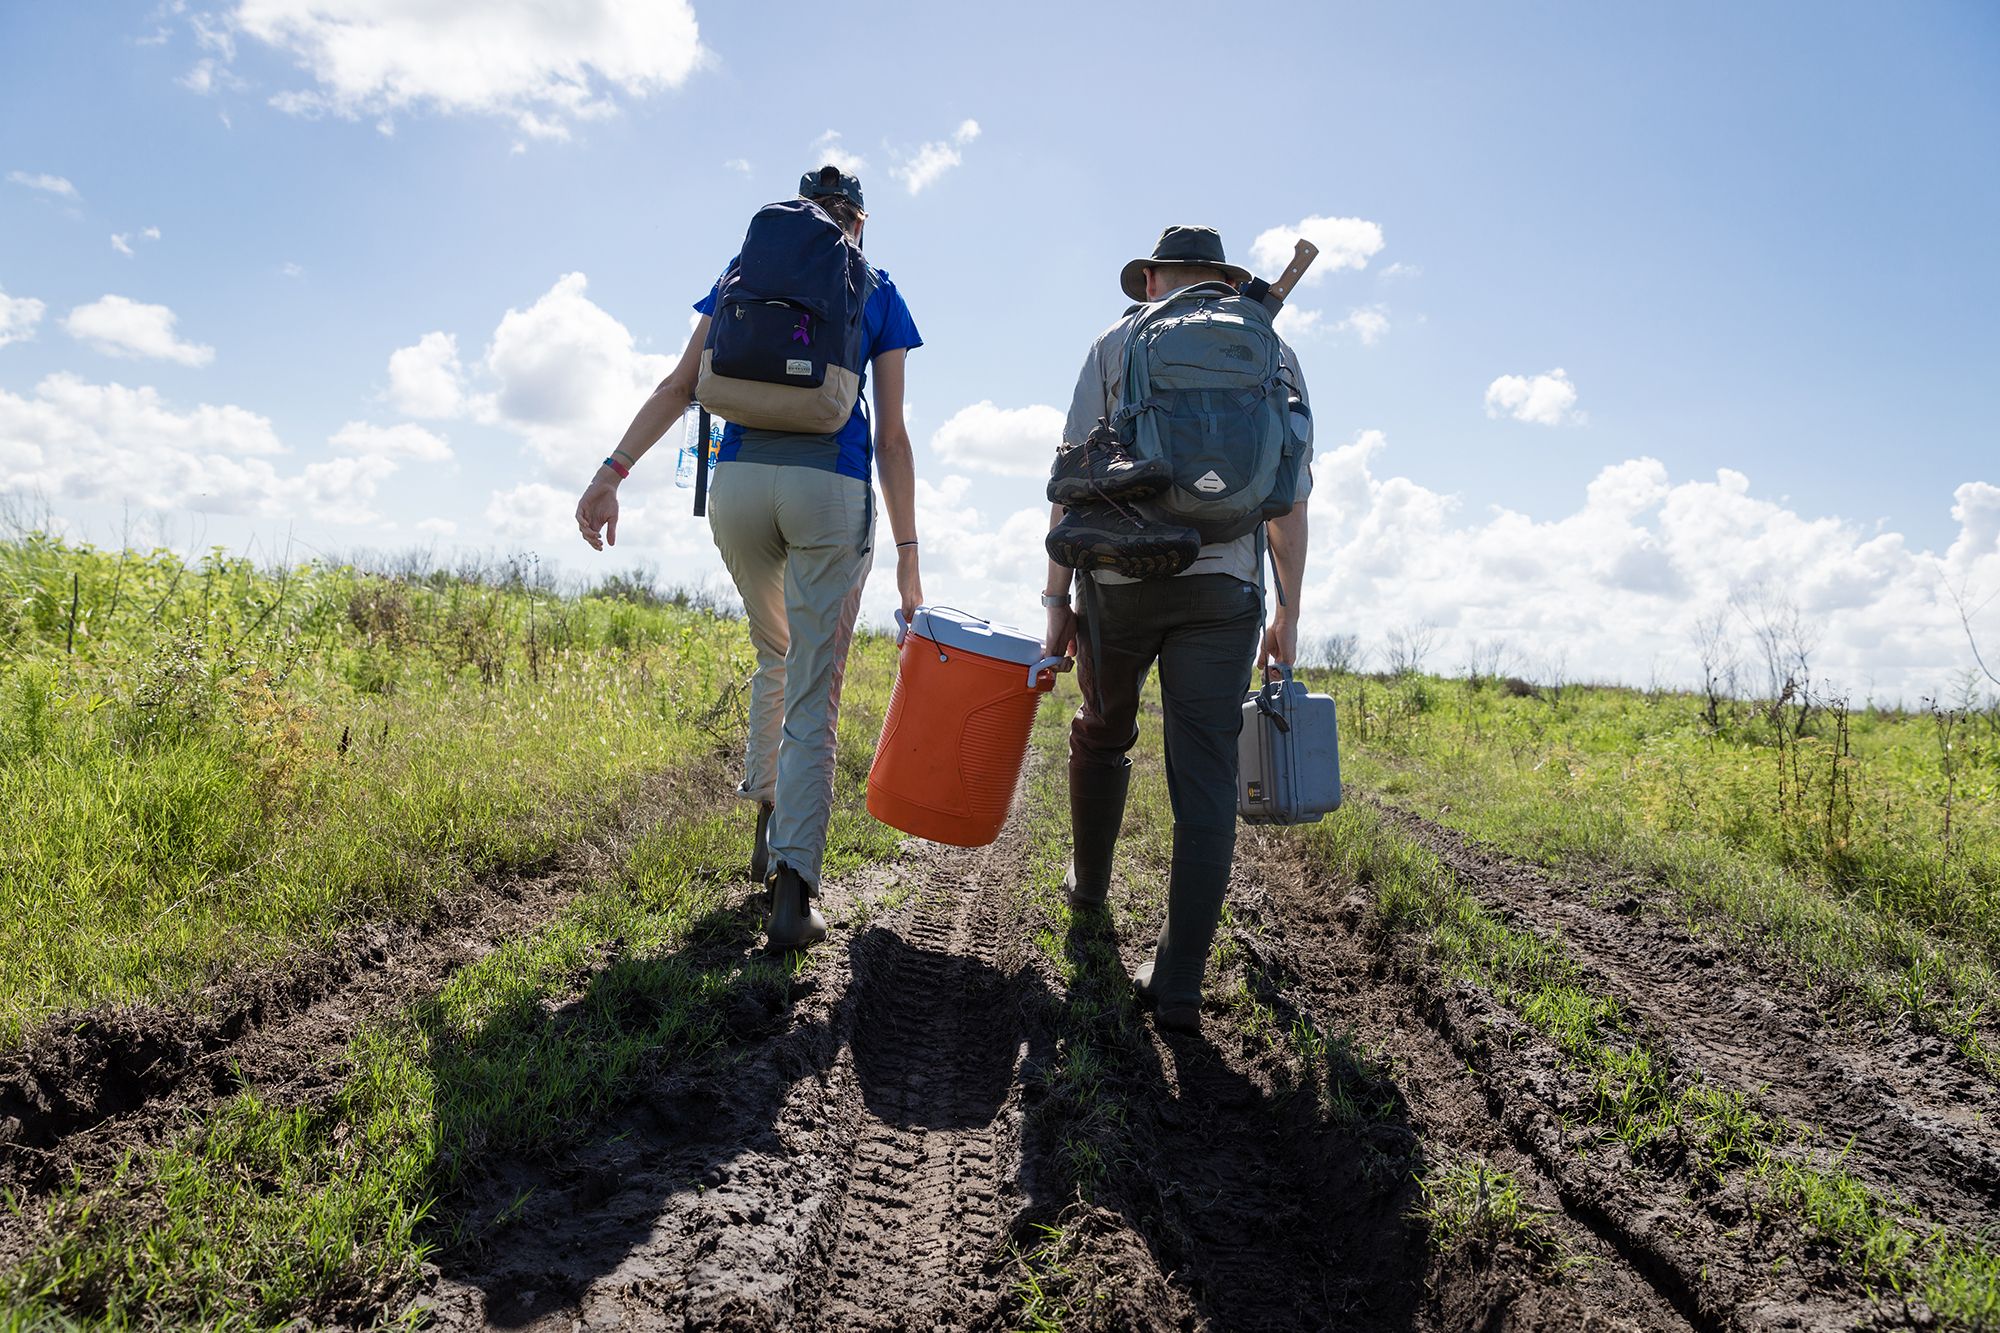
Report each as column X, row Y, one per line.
column 18, row 317
column 1296, row 322
column 426, row 380
column 1544, row 400
column 1368, row 323
column 932, row 160
column 1012, row 441
column 567, row 375
column 1615, row 584
column 563, row 374
column 397, row 442
column 534, row 63
column 826, row 151
column 74, row 441
column 120, row 326
column 47, row 184
column 77, row 440
column 1343, row 243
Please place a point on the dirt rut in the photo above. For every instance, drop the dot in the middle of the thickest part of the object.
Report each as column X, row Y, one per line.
column 1899, row 1107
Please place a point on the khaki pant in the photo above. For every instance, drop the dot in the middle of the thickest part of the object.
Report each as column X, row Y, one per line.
column 797, row 541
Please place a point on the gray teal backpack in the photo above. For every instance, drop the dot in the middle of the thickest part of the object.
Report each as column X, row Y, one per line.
column 1205, row 389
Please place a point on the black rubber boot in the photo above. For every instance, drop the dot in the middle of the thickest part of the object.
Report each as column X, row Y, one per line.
column 1102, row 536
column 794, row 923
column 1100, row 469
column 760, row 851
column 1171, row 983
column 1096, row 810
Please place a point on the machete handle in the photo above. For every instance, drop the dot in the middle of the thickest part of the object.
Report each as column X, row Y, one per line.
column 1303, row 255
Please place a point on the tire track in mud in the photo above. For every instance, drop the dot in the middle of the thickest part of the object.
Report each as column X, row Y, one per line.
column 934, row 1067
column 1903, row 1115
column 85, row 1090
column 854, row 1168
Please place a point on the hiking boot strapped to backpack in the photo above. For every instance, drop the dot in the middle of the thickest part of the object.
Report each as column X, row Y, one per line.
column 1207, row 395
column 1101, row 469
column 786, row 348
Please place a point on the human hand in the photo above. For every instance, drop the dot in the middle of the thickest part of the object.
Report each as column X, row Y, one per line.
column 1280, row 646
column 909, row 582
column 1060, row 641
column 597, row 512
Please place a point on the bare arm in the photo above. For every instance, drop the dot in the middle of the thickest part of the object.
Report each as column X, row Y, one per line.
column 597, row 511
column 896, row 466
column 1060, row 638
column 1287, row 536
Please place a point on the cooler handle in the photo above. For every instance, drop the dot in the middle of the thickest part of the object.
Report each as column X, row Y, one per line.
column 1046, row 664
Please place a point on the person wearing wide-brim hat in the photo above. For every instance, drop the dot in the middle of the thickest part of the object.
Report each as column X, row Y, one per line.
column 1180, row 249
column 1200, row 625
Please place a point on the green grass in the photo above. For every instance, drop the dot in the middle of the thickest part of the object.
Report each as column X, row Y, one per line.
column 1827, row 849
column 219, row 765
column 1471, row 1204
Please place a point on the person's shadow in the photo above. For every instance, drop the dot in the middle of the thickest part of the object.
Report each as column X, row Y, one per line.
column 1283, row 1209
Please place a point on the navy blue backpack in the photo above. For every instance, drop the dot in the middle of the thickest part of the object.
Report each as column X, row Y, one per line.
column 786, row 347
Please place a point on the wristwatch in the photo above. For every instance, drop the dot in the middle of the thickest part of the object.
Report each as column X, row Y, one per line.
column 1055, row 599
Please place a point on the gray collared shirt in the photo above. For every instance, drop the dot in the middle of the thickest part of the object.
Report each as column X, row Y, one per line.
column 1097, row 390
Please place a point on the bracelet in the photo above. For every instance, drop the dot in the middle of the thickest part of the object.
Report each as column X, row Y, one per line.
column 901, row 545
column 622, row 471
column 630, row 461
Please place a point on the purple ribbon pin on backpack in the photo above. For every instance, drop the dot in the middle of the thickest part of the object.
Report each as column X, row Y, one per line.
column 802, row 332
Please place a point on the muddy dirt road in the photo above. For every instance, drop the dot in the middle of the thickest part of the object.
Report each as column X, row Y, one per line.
column 955, row 1119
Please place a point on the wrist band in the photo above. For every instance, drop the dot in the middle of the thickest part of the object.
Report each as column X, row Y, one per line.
column 617, row 467
column 901, row 545
column 620, row 453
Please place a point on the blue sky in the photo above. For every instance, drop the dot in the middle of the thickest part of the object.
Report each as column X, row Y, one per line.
column 1755, row 241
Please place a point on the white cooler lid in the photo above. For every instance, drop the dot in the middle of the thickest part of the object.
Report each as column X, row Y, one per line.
column 950, row 628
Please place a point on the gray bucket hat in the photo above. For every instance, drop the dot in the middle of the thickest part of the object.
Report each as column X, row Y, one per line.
column 1180, row 245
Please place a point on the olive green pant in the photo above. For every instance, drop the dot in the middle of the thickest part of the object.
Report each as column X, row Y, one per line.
column 797, row 541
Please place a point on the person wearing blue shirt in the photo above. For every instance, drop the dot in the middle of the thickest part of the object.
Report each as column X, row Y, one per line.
column 793, row 516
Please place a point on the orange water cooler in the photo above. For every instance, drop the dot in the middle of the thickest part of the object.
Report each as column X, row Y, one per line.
column 957, row 730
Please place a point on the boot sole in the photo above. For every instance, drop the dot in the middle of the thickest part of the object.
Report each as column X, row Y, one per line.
column 1070, row 491
column 1121, row 561
column 1134, row 561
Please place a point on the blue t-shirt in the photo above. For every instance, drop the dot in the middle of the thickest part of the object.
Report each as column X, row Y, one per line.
column 886, row 326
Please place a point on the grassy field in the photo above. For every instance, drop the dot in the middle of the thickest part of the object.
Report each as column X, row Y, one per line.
column 203, row 766
column 1858, row 846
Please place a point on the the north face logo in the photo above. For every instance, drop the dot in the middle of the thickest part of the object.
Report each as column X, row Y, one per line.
column 1209, row 483
column 1238, row 352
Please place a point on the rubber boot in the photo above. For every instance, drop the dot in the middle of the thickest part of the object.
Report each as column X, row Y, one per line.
column 794, row 923
column 1171, row 983
column 1096, row 810
column 760, row 851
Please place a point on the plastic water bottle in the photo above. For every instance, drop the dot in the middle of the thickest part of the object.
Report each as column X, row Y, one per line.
column 692, row 446
column 684, row 465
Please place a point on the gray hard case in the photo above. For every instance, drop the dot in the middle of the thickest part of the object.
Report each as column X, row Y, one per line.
column 1288, row 755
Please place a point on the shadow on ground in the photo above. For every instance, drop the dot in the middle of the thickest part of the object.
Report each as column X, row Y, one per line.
column 1272, row 1202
